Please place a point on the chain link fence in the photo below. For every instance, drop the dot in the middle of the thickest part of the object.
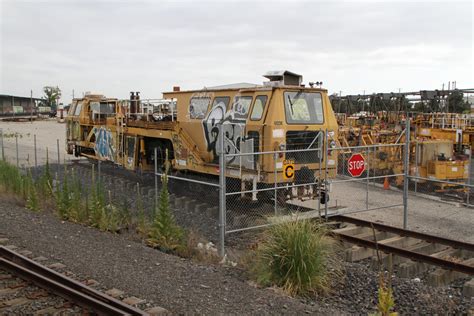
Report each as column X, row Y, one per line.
column 256, row 189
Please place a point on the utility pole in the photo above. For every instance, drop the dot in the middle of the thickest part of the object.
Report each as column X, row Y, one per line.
column 447, row 99
column 363, row 101
column 31, row 106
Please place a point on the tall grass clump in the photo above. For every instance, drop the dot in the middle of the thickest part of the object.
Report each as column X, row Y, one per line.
column 297, row 256
column 97, row 202
column 11, row 179
column 143, row 225
column 32, row 199
column 45, row 181
column 79, row 211
column 63, row 197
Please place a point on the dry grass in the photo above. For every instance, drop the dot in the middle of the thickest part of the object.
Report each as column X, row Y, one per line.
column 297, row 256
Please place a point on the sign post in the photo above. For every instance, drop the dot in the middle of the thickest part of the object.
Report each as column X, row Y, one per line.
column 356, row 165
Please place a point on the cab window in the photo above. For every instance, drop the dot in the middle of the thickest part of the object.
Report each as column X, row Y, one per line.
column 303, row 108
column 258, row 107
column 241, row 107
column 198, row 107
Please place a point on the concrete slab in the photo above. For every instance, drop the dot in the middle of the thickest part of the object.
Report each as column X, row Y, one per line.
column 441, row 277
column 411, row 269
column 468, row 289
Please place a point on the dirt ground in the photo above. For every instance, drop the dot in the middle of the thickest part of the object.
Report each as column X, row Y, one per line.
column 49, row 133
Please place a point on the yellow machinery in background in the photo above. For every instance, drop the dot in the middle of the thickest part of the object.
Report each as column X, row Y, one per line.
column 435, row 153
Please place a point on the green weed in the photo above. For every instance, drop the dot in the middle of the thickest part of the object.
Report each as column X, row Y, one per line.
column 165, row 234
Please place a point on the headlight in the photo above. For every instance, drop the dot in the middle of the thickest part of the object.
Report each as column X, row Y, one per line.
column 282, row 148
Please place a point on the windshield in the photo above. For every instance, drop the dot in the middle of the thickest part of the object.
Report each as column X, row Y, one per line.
column 303, row 108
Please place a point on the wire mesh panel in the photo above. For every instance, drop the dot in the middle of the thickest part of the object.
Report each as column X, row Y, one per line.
column 278, row 184
column 368, row 178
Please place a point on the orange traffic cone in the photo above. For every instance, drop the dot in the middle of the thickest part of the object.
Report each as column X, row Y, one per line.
column 386, row 184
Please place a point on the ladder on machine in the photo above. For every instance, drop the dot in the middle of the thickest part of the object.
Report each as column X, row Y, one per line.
column 120, row 145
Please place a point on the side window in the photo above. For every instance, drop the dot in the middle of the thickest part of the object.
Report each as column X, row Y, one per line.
column 258, row 108
column 78, row 108
column 198, row 107
column 131, row 147
column 241, row 107
column 224, row 101
column 71, row 109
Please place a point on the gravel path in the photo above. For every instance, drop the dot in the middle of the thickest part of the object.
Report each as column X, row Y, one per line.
column 168, row 281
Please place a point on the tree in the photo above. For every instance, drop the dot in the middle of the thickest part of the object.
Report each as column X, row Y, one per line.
column 456, row 102
column 52, row 95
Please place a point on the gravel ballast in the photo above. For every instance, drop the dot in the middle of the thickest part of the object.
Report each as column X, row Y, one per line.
column 174, row 283
column 185, row 287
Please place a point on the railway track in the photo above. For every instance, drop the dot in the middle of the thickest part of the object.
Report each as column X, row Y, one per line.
column 414, row 253
column 47, row 284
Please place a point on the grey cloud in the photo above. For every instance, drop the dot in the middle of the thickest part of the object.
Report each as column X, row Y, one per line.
column 115, row 47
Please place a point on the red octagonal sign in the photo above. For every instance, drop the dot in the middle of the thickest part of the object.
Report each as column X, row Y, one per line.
column 356, row 165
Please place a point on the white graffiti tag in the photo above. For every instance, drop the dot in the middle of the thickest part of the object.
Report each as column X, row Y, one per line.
column 234, row 135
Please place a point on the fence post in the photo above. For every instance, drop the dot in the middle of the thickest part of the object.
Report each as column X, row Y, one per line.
column 469, row 178
column 3, row 148
column 320, row 154
column 416, row 166
column 275, row 155
column 36, row 155
column 156, row 178
column 367, row 180
column 222, row 194
column 16, row 145
column 406, row 173
column 98, row 171
column 59, row 157
column 326, row 174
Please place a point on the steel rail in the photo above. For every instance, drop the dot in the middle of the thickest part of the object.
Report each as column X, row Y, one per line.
column 415, row 256
column 405, row 232
column 63, row 286
column 412, row 255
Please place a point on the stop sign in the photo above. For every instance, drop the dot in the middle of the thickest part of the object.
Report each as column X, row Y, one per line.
column 356, row 165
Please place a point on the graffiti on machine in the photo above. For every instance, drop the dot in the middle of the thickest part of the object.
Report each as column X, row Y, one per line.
column 104, row 145
column 233, row 124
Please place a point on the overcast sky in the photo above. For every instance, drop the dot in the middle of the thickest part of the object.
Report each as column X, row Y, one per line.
column 114, row 47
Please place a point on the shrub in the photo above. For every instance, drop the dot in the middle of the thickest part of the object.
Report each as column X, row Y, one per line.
column 297, row 256
column 165, row 234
